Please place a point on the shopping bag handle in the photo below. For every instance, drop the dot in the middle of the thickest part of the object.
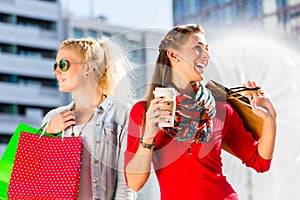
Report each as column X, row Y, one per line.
column 44, row 128
column 243, row 90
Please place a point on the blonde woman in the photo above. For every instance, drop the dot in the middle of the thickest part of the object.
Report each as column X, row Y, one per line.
column 91, row 70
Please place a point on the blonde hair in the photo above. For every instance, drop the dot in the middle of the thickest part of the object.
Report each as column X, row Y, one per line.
column 110, row 64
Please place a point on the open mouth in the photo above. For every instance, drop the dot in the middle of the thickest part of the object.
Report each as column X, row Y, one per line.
column 199, row 68
column 200, row 65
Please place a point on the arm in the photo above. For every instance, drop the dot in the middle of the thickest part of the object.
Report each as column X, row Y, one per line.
column 123, row 192
column 255, row 154
column 138, row 158
column 263, row 107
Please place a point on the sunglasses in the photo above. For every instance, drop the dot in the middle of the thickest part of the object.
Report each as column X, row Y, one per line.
column 62, row 64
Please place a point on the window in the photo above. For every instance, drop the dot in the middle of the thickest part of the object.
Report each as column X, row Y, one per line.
column 9, row 108
column 283, row 14
column 92, row 33
column 49, row 0
column 37, row 81
column 178, row 10
column 42, row 24
column 4, row 18
column 15, row 109
column 26, row 80
column 78, row 33
column 8, row 78
column 35, row 52
column 6, row 48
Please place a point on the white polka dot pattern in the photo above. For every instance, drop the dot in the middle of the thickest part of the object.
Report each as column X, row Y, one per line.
column 46, row 168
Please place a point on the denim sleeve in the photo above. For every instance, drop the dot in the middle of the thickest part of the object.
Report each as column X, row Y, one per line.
column 123, row 192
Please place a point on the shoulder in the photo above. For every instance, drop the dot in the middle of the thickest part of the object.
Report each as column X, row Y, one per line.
column 114, row 111
column 138, row 108
column 119, row 107
column 224, row 109
column 226, row 113
column 137, row 112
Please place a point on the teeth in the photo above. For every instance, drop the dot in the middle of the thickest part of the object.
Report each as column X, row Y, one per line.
column 200, row 65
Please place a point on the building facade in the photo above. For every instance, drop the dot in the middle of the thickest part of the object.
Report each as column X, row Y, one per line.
column 30, row 33
column 277, row 16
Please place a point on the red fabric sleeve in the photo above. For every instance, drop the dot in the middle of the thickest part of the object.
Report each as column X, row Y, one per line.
column 241, row 142
column 135, row 120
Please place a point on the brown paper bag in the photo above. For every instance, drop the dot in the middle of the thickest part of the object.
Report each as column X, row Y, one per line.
column 237, row 99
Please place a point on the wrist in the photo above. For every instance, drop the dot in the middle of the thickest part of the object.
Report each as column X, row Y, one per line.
column 147, row 144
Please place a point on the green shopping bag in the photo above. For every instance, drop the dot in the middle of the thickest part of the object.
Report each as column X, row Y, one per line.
column 8, row 157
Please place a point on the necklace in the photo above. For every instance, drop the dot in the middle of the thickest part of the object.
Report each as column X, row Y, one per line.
column 80, row 132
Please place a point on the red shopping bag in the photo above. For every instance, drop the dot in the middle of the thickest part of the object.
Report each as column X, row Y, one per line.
column 46, row 168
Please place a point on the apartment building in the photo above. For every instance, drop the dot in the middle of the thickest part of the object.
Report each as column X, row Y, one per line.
column 30, row 33
column 281, row 17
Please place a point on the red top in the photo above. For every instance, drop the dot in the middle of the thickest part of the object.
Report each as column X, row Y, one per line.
column 194, row 171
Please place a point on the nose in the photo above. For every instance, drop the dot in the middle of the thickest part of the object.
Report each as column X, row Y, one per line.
column 205, row 54
column 56, row 71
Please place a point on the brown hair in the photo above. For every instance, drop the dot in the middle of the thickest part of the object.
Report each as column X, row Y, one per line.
column 175, row 39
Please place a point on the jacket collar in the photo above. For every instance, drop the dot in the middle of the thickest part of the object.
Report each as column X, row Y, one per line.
column 105, row 105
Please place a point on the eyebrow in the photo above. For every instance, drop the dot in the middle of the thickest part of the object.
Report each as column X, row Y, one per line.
column 205, row 45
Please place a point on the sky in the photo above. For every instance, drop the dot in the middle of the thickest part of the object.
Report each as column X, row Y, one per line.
column 125, row 13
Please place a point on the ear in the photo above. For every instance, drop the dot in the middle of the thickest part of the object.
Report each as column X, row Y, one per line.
column 172, row 55
column 89, row 68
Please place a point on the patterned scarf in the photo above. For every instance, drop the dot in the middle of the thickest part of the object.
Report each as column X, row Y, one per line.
column 193, row 116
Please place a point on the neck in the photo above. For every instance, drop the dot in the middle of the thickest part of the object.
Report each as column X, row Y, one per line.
column 182, row 85
column 84, row 100
column 85, row 105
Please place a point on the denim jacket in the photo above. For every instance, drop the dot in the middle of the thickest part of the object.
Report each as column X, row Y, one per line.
column 109, row 143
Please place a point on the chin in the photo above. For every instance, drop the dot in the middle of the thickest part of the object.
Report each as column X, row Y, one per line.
column 61, row 89
column 199, row 78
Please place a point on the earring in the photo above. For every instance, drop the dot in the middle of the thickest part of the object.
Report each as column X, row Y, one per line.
column 86, row 74
column 176, row 60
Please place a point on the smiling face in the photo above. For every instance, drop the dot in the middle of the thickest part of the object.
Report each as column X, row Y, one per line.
column 192, row 58
column 70, row 79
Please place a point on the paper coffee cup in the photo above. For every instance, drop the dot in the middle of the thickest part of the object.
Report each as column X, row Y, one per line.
column 169, row 95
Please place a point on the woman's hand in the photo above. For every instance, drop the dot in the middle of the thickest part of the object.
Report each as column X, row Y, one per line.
column 61, row 121
column 157, row 112
column 261, row 105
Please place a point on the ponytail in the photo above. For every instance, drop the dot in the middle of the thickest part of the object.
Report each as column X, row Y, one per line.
column 115, row 80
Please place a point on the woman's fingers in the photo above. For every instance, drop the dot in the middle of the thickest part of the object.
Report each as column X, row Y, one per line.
column 263, row 107
column 157, row 110
column 61, row 121
column 252, row 93
column 251, row 84
column 68, row 116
